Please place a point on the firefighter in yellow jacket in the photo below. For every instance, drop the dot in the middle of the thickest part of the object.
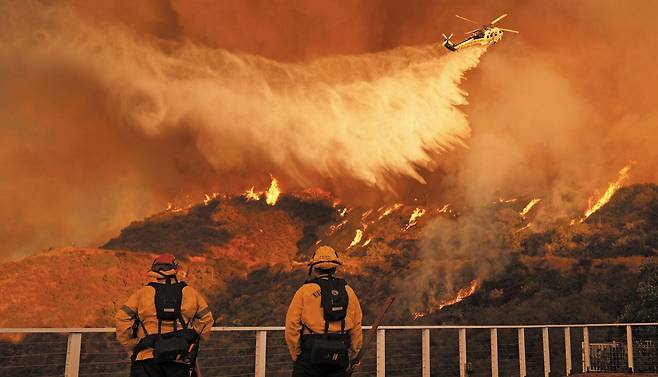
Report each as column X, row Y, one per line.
column 323, row 323
column 162, row 323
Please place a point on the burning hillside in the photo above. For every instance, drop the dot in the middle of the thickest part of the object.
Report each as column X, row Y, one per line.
column 229, row 245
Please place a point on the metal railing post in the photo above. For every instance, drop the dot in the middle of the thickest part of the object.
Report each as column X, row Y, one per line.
column 522, row 365
column 73, row 347
column 462, row 353
column 567, row 351
column 547, row 352
column 261, row 353
column 381, row 353
column 426, row 352
column 494, row 352
column 629, row 347
column 586, row 360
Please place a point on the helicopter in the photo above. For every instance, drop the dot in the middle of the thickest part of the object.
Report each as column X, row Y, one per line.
column 487, row 35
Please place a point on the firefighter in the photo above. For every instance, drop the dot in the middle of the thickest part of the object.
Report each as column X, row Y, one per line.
column 323, row 323
column 162, row 323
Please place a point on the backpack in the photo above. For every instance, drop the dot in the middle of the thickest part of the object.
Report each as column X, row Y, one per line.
column 331, row 349
column 173, row 345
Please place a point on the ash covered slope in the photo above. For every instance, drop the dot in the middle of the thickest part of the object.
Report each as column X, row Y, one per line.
column 247, row 259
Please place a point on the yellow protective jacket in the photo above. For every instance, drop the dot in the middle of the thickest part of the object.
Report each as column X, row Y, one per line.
column 306, row 309
column 141, row 305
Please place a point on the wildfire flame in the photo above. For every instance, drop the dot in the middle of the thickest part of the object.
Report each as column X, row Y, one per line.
column 524, row 228
column 607, row 195
column 272, row 193
column 208, row 198
column 444, row 209
column 461, row 294
column 529, row 206
column 251, row 194
column 413, row 219
column 335, row 227
column 357, row 238
column 390, row 210
column 367, row 242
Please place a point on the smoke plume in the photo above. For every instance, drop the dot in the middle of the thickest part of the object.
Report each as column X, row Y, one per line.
column 109, row 109
column 102, row 93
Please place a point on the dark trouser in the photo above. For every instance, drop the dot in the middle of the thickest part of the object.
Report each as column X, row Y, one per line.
column 149, row 368
column 304, row 368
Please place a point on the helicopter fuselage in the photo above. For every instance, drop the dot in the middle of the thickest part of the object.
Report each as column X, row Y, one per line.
column 482, row 37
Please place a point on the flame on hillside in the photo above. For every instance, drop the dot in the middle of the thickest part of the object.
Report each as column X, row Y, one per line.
column 444, row 209
column 251, row 194
column 529, row 206
column 390, row 210
column 527, row 226
column 333, row 228
column 413, row 219
column 208, row 198
column 461, row 294
column 272, row 193
column 607, row 195
column 357, row 238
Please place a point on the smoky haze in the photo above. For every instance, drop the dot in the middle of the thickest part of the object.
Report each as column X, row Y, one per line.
column 110, row 109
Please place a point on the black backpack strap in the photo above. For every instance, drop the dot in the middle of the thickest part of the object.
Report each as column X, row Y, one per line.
column 182, row 285
column 307, row 328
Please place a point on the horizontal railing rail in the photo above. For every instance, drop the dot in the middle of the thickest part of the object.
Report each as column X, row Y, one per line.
column 542, row 348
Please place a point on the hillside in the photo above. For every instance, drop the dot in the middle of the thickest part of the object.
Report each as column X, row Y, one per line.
column 247, row 258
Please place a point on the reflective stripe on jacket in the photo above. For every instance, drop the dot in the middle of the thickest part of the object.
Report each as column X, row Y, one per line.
column 142, row 305
column 306, row 309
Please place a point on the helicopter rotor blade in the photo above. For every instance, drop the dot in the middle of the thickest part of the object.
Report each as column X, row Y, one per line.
column 466, row 19
column 471, row 32
column 510, row 30
column 498, row 19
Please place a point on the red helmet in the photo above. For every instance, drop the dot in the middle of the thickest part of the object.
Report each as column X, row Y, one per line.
column 164, row 262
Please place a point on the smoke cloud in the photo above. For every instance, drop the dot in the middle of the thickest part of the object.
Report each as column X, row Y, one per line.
column 367, row 118
column 110, row 109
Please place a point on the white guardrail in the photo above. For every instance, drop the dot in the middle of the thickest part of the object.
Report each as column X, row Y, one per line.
column 552, row 350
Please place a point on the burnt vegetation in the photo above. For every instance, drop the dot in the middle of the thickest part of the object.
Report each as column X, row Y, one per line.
column 189, row 232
